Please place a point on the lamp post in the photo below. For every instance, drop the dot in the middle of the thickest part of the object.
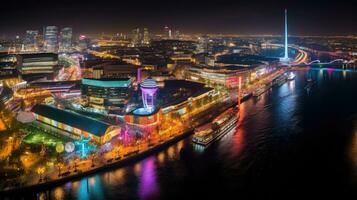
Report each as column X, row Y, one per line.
column 40, row 172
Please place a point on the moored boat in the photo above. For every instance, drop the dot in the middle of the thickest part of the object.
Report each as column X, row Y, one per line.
column 213, row 131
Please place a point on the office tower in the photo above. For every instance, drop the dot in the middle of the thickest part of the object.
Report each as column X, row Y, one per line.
column 167, row 32
column 65, row 44
column 50, row 39
column 30, row 41
column 135, row 39
column 146, row 38
column 177, row 34
column 83, row 42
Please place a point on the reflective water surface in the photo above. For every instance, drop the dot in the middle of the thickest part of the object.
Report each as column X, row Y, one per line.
column 293, row 140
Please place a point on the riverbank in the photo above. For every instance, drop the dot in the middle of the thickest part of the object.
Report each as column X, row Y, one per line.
column 137, row 156
column 112, row 160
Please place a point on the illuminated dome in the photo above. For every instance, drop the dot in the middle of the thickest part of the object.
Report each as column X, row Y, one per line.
column 149, row 83
column 25, row 117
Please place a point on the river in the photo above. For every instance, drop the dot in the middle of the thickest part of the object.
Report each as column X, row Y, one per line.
column 289, row 141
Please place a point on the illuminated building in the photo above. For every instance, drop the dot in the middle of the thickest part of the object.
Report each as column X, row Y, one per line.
column 109, row 94
column 97, row 72
column 65, row 43
column 115, row 70
column 227, row 75
column 135, row 38
column 75, row 125
column 50, row 39
column 146, row 37
column 148, row 90
column 177, row 34
column 30, row 41
column 202, row 46
column 83, row 42
column 182, row 58
column 176, row 97
column 57, row 86
column 167, row 33
column 38, row 65
column 172, row 46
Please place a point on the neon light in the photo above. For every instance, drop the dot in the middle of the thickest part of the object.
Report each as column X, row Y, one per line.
column 148, row 90
column 84, row 147
column 105, row 83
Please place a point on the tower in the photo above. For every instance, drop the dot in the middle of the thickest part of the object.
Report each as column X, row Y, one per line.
column 286, row 56
column 146, row 36
column 51, row 39
column 148, row 90
column 65, row 42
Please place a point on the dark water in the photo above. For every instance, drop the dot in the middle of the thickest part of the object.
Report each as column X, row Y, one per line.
column 289, row 142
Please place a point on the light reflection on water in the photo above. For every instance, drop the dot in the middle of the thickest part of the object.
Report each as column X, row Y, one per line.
column 285, row 138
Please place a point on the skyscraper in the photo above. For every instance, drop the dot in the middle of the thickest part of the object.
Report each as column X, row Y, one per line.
column 83, row 43
column 146, row 37
column 50, row 39
column 167, row 33
column 177, row 34
column 65, row 39
column 135, row 38
column 30, row 41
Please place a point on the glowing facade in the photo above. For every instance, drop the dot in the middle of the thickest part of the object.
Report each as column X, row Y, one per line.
column 148, row 90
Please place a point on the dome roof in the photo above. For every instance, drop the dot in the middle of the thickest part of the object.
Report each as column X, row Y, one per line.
column 25, row 117
column 149, row 83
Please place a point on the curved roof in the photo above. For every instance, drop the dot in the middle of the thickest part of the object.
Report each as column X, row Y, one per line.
column 72, row 119
column 149, row 83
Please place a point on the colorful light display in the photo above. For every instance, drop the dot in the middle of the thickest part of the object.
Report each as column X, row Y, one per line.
column 69, row 147
column 148, row 90
column 83, row 147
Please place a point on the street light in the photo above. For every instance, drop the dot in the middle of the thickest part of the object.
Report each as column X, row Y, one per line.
column 40, row 172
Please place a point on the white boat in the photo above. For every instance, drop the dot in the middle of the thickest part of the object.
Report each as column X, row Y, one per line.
column 213, row 131
column 291, row 76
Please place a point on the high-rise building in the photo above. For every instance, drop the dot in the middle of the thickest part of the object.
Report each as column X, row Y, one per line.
column 202, row 46
column 146, row 38
column 167, row 33
column 30, row 41
column 177, row 34
column 50, row 39
column 83, row 42
column 65, row 39
column 135, row 39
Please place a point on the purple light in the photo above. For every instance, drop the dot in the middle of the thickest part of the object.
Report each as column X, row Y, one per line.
column 138, row 79
column 148, row 90
column 148, row 184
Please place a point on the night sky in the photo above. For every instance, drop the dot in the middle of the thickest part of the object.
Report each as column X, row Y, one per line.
column 306, row 17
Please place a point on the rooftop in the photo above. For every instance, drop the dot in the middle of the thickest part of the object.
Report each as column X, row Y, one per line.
column 122, row 82
column 75, row 120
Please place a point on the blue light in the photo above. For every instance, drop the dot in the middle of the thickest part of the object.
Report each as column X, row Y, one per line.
column 106, row 83
column 142, row 112
column 83, row 147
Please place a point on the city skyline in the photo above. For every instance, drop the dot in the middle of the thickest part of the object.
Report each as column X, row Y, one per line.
column 178, row 99
column 240, row 17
